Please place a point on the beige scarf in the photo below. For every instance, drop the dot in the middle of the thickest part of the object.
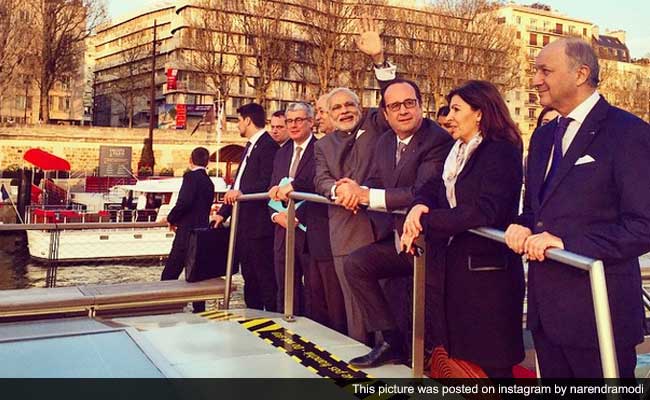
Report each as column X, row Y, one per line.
column 455, row 162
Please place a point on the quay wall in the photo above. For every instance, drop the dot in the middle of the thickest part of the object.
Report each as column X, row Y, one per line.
column 80, row 145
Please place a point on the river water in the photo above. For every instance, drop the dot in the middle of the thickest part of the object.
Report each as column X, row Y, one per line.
column 18, row 271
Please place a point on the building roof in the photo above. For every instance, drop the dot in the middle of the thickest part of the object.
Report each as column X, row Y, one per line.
column 144, row 10
column 540, row 11
column 610, row 41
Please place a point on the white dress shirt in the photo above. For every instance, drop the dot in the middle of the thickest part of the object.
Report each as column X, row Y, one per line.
column 578, row 116
column 377, row 197
column 252, row 140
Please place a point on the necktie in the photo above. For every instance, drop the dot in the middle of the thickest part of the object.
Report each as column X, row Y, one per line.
column 245, row 153
column 294, row 164
column 401, row 147
column 556, row 156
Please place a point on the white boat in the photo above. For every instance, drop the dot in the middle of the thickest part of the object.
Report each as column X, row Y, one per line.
column 111, row 243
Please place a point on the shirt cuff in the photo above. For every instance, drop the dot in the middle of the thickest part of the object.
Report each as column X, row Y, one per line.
column 386, row 73
column 333, row 192
column 273, row 216
column 377, row 199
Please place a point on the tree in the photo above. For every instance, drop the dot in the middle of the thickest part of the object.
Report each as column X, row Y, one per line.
column 469, row 42
column 626, row 86
column 130, row 83
column 267, row 38
column 211, row 41
column 15, row 24
column 327, row 32
column 63, row 26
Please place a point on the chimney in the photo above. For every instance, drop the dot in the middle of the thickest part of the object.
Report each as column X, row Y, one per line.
column 619, row 34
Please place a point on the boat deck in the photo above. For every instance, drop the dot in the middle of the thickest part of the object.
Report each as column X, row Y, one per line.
column 182, row 345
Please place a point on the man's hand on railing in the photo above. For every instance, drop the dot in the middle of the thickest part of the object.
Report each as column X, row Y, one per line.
column 281, row 219
column 516, row 236
column 273, row 193
column 283, row 192
column 536, row 245
column 231, row 196
column 347, row 194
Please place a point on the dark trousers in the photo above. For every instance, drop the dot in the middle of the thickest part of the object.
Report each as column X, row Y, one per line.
column 301, row 261
column 256, row 259
column 364, row 268
column 556, row 361
column 323, row 295
column 176, row 262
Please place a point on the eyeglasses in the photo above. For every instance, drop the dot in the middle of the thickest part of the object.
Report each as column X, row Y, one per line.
column 298, row 120
column 396, row 106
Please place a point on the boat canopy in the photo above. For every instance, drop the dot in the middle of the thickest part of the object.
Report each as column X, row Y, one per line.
column 46, row 161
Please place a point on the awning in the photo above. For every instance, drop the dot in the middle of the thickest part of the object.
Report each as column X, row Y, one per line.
column 230, row 153
column 46, row 161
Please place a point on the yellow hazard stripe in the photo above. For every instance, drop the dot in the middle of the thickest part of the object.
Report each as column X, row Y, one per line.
column 308, row 354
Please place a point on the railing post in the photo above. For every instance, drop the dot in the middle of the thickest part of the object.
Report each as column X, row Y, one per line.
column 289, row 272
column 603, row 320
column 234, row 219
column 419, row 293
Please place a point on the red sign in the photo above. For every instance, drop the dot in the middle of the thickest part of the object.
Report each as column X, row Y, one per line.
column 172, row 75
column 181, row 116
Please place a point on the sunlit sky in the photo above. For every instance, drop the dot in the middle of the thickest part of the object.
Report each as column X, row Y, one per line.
column 629, row 15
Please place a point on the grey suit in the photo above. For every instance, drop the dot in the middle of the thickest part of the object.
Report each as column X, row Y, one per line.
column 340, row 155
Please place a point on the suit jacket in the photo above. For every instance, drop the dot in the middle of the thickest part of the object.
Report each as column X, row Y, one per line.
column 422, row 160
column 304, row 178
column 480, row 282
column 339, row 155
column 192, row 209
column 600, row 209
column 254, row 219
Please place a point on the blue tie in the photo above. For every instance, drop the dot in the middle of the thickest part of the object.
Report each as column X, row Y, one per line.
column 556, row 157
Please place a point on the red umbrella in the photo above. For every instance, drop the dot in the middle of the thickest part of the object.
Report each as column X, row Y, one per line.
column 46, row 161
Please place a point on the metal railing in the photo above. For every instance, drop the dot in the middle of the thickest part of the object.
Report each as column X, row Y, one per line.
column 599, row 296
column 594, row 267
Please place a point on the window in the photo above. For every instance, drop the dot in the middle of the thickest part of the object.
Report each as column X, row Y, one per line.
column 545, row 40
column 572, row 30
column 584, row 31
column 558, row 28
column 517, row 111
column 518, row 35
column 533, row 39
column 518, row 95
column 20, row 102
column 531, row 113
column 533, row 23
column 518, row 19
column 532, row 98
column 66, row 103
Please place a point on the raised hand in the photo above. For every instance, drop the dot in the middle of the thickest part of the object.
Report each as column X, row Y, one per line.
column 369, row 42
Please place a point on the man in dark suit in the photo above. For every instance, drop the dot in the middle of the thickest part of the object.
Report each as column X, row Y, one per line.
column 322, row 294
column 279, row 131
column 254, row 250
column 588, row 192
column 191, row 211
column 295, row 161
column 347, row 153
column 411, row 153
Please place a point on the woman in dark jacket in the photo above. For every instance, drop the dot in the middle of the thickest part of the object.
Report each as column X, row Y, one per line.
column 479, row 281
